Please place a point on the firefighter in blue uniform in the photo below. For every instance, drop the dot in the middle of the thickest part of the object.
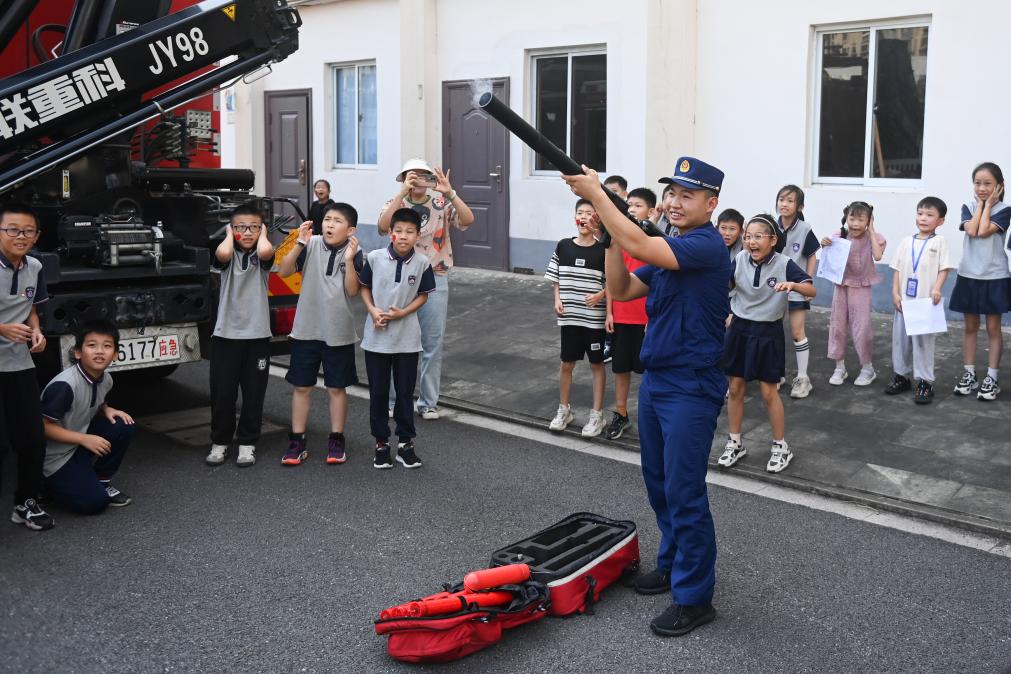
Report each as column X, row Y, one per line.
column 685, row 282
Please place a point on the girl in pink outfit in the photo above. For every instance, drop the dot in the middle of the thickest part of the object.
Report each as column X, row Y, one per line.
column 851, row 301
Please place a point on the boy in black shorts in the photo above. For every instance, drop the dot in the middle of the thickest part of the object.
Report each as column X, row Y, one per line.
column 626, row 321
column 577, row 270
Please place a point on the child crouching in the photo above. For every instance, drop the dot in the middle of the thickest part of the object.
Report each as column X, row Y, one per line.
column 755, row 347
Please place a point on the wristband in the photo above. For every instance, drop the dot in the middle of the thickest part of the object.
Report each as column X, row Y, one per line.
column 452, row 196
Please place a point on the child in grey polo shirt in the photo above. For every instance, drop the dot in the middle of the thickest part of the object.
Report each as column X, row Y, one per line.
column 22, row 289
column 395, row 283
column 240, row 346
column 324, row 330
column 80, row 426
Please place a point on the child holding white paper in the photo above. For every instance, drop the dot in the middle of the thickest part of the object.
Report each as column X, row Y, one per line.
column 851, row 301
column 921, row 267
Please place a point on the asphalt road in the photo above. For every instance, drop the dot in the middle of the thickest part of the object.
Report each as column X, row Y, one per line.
column 275, row 569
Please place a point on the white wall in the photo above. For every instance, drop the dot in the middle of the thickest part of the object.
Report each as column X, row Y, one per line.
column 755, row 93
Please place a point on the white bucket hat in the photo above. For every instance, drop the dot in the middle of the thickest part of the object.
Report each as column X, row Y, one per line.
column 414, row 164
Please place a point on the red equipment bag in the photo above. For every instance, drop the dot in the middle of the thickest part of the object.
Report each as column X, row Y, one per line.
column 448, row 637
column 577, row 559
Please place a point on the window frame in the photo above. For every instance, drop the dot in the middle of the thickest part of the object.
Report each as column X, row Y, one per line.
column 872, row 27
column 334, row 114
column 568, row 52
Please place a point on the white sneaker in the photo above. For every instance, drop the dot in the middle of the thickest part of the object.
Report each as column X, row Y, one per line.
column 217, row 455
column 595, row 426
column 733, row 452
column 866, row 377
column 801, row 387
column 430, row 413
column 837, row 378
column 563, row 417
column 780, row 459
column 247, row 456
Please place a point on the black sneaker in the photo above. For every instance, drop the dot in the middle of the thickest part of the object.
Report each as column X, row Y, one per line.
column 678, row 620
column 656, row 581
column 989, row 389
column 383, row 459
column 31, row 514
column 899, row 385
column 117, row 499
column 619, row 424
column 924, row 393
column 406, row 456
column 967, row 384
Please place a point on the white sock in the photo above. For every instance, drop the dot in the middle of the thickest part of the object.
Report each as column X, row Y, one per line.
column 868, row 368
column 736, row 437
column 971, row 369
column 992, row 373
column 781, row 442
column 803, row 349
column 840, row 365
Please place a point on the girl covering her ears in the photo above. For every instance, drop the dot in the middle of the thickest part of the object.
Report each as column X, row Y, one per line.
column 851, row 301
column 983, row 285
column 755, row 346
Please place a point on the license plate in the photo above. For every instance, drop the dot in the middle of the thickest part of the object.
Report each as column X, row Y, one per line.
column 154, row 349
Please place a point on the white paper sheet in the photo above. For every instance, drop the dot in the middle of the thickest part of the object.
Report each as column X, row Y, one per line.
column 832, row 264
column 923, row 317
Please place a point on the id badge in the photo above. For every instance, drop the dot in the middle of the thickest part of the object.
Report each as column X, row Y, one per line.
column 911, row 285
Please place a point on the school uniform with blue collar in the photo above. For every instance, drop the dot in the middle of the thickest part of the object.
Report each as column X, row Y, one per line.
column 680, row 398
column 983, row 283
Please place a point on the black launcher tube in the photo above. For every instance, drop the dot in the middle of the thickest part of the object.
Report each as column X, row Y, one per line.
column 536, row 141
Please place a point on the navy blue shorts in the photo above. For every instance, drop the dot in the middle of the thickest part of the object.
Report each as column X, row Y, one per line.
column 979, row 296
column 338, row 364
column 755, row 350
column 804, row 305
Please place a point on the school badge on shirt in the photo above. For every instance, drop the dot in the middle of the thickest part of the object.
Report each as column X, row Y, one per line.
column 412, row 279
column 771, row 282
column 30, row 292
column 796, row 246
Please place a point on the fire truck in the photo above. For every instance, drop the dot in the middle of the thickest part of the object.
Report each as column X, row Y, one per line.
column 109, row 130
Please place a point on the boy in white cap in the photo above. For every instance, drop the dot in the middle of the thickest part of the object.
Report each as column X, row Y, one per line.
column 428, row 192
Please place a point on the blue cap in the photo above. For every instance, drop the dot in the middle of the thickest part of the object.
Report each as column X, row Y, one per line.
column 695, row 174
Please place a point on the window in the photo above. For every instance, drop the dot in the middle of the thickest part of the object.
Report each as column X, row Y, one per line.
column 570, row 105
column 354, row 88
column 870, row 103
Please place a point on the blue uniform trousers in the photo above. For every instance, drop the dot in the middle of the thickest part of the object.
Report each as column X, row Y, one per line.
column 677, row 420
column 76, row 485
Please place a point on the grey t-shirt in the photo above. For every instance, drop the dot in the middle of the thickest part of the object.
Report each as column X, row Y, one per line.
column 324, row 308
column 21, row 288
column 755, row 296
column 71, row 399
column 243, row 311
column 984, row 258
column 395, row 282
column 801, row 244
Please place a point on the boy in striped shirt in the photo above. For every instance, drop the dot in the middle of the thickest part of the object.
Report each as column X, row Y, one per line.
column 577, row 270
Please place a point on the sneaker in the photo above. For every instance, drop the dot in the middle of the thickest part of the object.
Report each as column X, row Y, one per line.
column 656, row 581
column 866, row 377
column 837, row 378
column 899, row 385
column 382, row 460
column 217, row 455
column 430, row 413
column 563, row 417
column 336, row 449
column 801, row 387
column 780, row 459
column 117, row 499
column 678, row 620
column 247, row 456
column 32, row 516
column 619, row 424
column 406, row 456
column 733, row 452
column 924, row 393
column 967, row 384
column 989, row 389
column 296, row 453
column 594, row 426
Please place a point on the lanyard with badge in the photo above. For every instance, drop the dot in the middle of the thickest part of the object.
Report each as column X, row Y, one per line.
column 912, row 283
